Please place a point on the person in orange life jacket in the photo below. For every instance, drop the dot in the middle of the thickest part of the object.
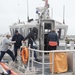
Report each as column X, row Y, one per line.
column 32, row 36
column 18, row 38
column 53, row 40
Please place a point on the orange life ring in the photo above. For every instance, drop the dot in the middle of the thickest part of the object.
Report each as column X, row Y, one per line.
column 25, row 54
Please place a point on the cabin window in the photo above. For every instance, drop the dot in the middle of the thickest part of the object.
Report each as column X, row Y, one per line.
column 61, row 33
column 22, row 31
column 47, row 26
column 17, row 29
column 12, row 31
column 30, row 29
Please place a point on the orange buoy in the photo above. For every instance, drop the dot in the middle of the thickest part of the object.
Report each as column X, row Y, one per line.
column 25, row 54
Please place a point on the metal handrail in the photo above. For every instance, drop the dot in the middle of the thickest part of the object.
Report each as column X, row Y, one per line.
column 43, row 63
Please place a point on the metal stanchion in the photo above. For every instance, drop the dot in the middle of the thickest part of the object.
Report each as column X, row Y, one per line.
column 52, row 62
column 43, row 64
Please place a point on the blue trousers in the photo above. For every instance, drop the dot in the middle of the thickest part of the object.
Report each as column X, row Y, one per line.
column 15, row 50
column 9, row 52
column 35, row 55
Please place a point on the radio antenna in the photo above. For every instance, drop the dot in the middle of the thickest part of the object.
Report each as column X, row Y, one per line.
column 51, row 12
column 64, row 14
column 18, row 12
column 27, row 11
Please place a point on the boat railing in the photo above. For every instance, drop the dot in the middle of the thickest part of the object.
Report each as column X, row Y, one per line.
column 43, row 57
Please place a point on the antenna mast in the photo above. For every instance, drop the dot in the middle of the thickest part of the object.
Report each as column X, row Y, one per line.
column 18, row 12
column 51, row 12
column 64, row 14
column 27, row 11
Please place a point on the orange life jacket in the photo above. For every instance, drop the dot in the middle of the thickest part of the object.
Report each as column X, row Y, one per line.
column 52, row 43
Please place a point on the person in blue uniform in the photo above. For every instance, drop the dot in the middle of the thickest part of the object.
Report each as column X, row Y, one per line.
column 18, row 38
column 53, row 40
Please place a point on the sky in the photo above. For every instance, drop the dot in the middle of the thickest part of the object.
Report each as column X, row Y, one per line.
column 12, row 10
